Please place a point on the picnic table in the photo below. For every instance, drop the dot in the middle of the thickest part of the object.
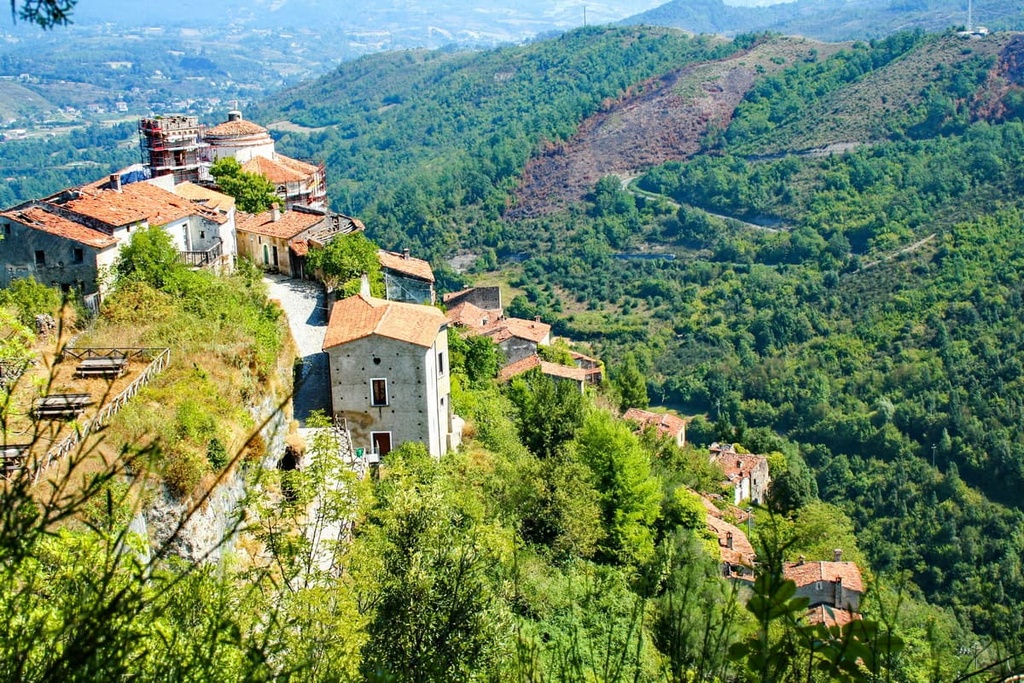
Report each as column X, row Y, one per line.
column 62, row 405
column 102, row 366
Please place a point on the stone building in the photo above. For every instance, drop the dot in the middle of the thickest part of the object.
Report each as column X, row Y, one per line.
column 390, row 375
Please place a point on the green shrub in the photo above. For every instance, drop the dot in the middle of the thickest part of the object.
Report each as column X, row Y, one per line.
column 184, row 470
column 30, row 298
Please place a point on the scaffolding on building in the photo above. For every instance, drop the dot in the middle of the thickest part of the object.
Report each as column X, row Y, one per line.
column 174, row 144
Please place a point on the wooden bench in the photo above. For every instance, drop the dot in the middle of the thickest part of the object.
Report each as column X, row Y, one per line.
column 110, row 367
column 12, row 459
column 58, row 406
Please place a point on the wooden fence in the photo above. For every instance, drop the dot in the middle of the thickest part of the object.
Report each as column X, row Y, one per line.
column 159, row 359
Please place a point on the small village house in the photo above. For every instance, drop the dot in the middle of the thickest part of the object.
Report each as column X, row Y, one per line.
column 280, row 240
column 835, row 583
column 745, row 473
column 665, row 424
column 389, row 374
column 407, row 278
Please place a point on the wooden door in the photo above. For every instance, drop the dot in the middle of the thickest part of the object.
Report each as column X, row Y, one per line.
column 381, row 442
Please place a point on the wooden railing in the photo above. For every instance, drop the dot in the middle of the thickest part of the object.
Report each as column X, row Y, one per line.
column 160, row 359
column 201, row 259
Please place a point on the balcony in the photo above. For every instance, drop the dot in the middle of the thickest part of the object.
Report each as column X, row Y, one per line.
column 202, row 259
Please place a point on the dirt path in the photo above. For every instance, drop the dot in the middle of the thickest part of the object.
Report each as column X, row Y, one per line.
column 637, row 192
column 905, row 250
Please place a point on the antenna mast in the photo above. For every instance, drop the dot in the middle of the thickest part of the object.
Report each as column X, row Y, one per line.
column 970, row 16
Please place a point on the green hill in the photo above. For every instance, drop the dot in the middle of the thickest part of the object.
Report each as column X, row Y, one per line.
column 18, row 102
column 869, row 328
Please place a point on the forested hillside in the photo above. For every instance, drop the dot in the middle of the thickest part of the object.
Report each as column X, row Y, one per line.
column 834, row 275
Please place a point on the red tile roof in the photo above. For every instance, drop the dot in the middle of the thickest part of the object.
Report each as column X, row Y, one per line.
column 360, row 316
column 232, row 128
column 296, row 165
column 272, row 170
column 737, row 513
column 736, row 466
column 742, row 552
column 38, row 219
column 134, row 203
column 805, row 573
column 470, row 315
column 550, row 369
column 506, row 328
column 211, row 199
column 290, row 223
column 455, row 295
column 406, row 265
column 665, row 423
column 300, row 247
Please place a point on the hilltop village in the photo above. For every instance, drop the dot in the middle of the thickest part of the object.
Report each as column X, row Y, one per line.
column 387, row 358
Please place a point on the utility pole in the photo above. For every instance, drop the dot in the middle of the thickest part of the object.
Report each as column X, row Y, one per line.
column 584, row 16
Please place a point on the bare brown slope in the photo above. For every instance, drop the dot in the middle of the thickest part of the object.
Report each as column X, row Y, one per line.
column 660, row 121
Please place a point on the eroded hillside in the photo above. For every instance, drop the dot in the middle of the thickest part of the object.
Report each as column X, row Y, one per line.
column 661, row 120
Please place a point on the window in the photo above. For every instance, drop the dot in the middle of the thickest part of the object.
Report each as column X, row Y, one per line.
column 40, row 258
column 7, row 229
column 202, row 234
column 440, row 363
column 78, row 256
column 378, row 392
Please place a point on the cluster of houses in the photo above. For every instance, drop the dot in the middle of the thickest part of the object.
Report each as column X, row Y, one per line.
column 71, row 239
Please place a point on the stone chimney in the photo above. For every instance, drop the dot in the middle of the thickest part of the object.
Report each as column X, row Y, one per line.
column 275, row 213
column 728, row 540
column 364, row 285
column 837, row 555
column 115, row 182
column 838, row 601
column 405, row 253
column 234, row 115
column 800, row 561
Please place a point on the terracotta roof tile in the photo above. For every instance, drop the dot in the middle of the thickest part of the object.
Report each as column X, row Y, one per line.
column 737, row 465
column 232, row 128
column 550, row 369
column 38, row 219
column 455, row 295
column 468, row 314
column 135, row 203
column 804, row 573
column 211, row 199
column 742, row 552
column 406, row 265
column 737, row 513
column 506, row 328
column 665, row 423
column 360, row 316
column 289, row 225
column 273, row 171
column 300, row 247
column 296, row 165
column 830, row 616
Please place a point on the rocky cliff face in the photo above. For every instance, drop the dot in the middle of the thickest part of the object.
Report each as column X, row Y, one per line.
column 204, row 531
